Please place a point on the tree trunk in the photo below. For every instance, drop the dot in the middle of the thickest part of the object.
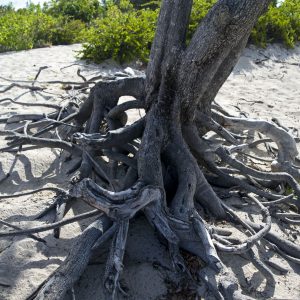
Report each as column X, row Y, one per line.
column 163, row 174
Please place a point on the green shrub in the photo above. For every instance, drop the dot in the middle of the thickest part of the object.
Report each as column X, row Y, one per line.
column 32, row 28
column 41, row 29
column 124, row 33
column 24, row 30
column 199, row 11
column 14, row 33
column 153, row 4
column 67, row 31
column 280, row 24
column 84, row 10
column 6, row 8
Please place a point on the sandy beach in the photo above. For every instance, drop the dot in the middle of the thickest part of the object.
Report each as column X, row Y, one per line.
column 265, row 84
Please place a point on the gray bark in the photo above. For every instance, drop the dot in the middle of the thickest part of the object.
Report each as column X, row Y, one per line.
column 156, row 164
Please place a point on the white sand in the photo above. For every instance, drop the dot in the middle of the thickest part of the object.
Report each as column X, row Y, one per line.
column 265, row 90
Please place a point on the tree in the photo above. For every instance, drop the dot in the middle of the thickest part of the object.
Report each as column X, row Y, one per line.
column 173, row 165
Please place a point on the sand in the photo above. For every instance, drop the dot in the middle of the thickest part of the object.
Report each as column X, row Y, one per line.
column 259, row 87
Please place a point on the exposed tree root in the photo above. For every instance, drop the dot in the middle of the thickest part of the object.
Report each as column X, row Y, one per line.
column 171, row 211
column 66, row 275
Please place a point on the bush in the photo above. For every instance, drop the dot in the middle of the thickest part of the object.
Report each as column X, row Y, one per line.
column 31, row 28
column 6, row 8
column 280, row 24
column 24, row 30
column 67, row 31
column 153, row 4
column 84, row 10
column 125, row 31
column 124, row 34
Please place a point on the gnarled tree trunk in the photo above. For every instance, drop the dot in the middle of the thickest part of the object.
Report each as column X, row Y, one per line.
column 162, row 175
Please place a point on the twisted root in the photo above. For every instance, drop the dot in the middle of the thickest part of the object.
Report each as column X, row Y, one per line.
column 158, row 167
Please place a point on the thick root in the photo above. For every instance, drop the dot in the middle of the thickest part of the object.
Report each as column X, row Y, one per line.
column 157, row 166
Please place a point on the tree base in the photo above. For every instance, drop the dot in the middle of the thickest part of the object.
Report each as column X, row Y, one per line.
column 164, row 169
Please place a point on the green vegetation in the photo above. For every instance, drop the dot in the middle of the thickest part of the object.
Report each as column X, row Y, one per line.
column 125, row 33
column 122, row 31
column 24, row 29
column 59, row 22
column 83, row 10
column 199, row 11
column 279, row 24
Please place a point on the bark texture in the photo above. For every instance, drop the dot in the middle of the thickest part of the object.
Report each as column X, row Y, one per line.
column 162, row 164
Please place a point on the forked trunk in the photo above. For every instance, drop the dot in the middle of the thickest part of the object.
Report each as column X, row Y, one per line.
column 156, row 164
